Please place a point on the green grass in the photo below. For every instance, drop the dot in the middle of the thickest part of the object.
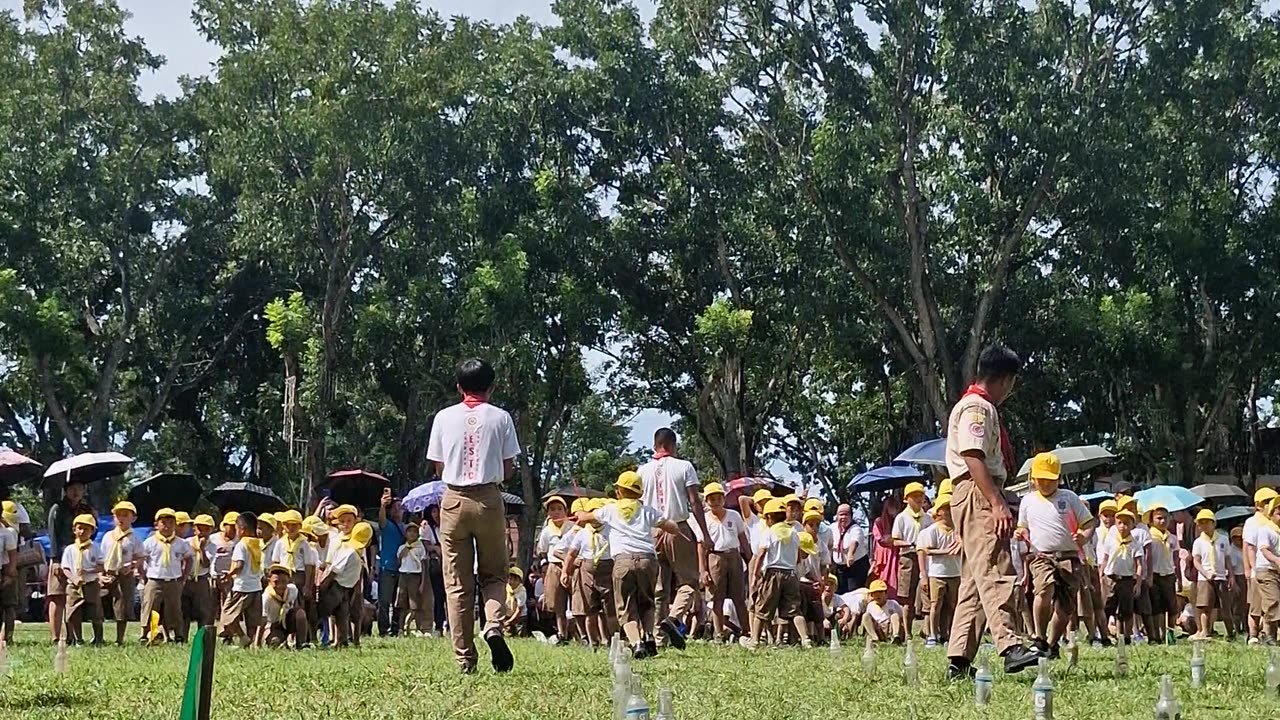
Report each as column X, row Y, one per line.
column 415, row 679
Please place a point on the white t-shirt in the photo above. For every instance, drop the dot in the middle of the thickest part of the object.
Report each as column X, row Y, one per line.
column 472, row 443
column 1163, row 555
column 248, row 580
column 154, row 565
column 82, row 566
column 1212, row 554
column 202, row 561
column 8, row 543
column 560, row 548
column 1267, row 536
column 854, row 538
column 907, row 526
column 1120, row 559
column 630, row 537
column 1250, row 534
column 1051, row 521
column 665, row 486
column 222, row 549
column 347, row 566
column 520, row 600
column 592, row 544
column 120, row 553
column 856, row 601
column 273, row 610
column 1100, row 535
column 724, row 533
column 1236, row 561
column 779, row 553
column 412, row 558
column 936, row 537
column 882, row 612
column 549, row 537
column 304, row 555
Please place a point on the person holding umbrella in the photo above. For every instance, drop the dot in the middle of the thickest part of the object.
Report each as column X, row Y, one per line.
column 61, row 517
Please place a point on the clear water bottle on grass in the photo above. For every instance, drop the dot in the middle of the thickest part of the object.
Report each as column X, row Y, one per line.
column 837, row 652
column 666, row 705
column 1042, row 693
column 60, row 657
column 1197, row 665
column 1167, row 707
column 637, row 706
column 869, row 658
column 983, row 682
column 1273, row 675
column 1122, row 656
column 911, row 666
column 621, row 690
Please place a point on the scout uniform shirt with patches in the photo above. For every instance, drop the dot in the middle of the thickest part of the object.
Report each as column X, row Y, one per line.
column 120, row 550
column 275, row 609
column 1052, row 521
column 1120, row 555
column 472, row 443
column 412, row 558
column 974, row 425
column 908, row 524
column 164, row 559
column 202, row 559
column 1163, row 551
column 549, row 537
column 1212, row 554
column 303, row 555
column 936, row 537
column 724, row 533
column 82, row 563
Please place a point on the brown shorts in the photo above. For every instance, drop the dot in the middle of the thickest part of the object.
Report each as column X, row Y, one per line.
column 1212, row 594
column 1089, row 597
column 86, row 599
column 197, row 602
column 123, row 591
column 577, row 601
column 1164, row 594
column 1268, row 582
column 241, row 610
column 908, row 578
column 57, row 584
column 1055, row 577
column 557, row 598
column 779, row 596
column 728, row 577
column 409, row 591
column 634, row 579
column 811, row 602
column 597, row 587
column 9, row 591
column 944, row 594
column 1254, row 599
column 1117, row 596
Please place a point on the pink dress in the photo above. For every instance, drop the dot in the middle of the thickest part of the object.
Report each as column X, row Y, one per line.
column 884, row 563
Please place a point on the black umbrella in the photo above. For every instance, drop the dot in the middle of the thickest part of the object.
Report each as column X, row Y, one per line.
column 513, row 503
column 16, row 468
column 245, row 497
column 178, row 491
column 573, row 492
column 361, row 488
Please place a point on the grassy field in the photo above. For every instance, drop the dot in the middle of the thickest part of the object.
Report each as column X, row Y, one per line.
column 416, row 678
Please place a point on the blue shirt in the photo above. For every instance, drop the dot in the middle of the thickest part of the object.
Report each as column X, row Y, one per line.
column 389, row 544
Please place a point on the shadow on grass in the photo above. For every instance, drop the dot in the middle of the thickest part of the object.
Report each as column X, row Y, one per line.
column 46, row 699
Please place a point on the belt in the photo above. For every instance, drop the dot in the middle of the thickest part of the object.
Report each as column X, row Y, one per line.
column 473, row 488
column 724, row 552
column 1064, row 555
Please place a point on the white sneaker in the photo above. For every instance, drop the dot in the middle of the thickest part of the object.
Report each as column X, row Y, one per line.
column 806, row 643
column 747, row 643
column 1254, row 641
column 931, row 642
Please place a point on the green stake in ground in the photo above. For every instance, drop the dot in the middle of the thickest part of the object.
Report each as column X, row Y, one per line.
column 199, row 687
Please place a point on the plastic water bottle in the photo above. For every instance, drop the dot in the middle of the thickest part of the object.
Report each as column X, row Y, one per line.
column 666, row 705
column 4, row 657
column 1073, row 652
column 910, row 666
column 1197, row 665
column 621, row 690
column 637, row 706
column 1042, row 693
column 1273, row 676
column 837, row 652
column 983, row 683
column 869, row 658
column 1122, row 656
column 60, row 657
column 1167, row 707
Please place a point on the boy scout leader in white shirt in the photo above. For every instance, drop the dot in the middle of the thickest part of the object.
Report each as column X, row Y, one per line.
column 474, row 446
column 671, row 487
column 1055, row 522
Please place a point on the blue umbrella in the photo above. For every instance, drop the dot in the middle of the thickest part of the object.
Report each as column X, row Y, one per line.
column 930, row 452
column 889, row 477
column 1233, row 513
column 1099, row 495
column 1172, row 497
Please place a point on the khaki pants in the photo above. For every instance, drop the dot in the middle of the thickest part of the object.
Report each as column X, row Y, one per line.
column 241, row 614
column 943, row 594
column 121, row 591
column 165, row 597
column 987, row 579
column 728, row 580
column 677, row 573
column 413, row 602
column 474, row 539
column 335, row 602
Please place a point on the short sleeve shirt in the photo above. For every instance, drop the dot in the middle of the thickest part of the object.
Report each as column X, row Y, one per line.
column 120, row 552
column 632, row 536
column 1121, row 558
column 1163, row 553
column 1052, row 521
column 472, row 443
column 549, row 536
column 851, row 538
column 1213, row 554
column 856, row 601
column 1268, row 536
column 592, row 544
column 881, row 613
column 247, row 580
column 8, row 543
column 157, row 566
column 974, row 425
column 304, row 554
column 412, row 559
column 780, row 553
column 724, row 533
column 273, row 610
column 936, row 537
column 665, row 483
column 907, row 525
column 82, row 565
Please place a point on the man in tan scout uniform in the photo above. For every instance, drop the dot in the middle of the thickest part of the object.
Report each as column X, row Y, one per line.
column 979, row 456
column 473, row 445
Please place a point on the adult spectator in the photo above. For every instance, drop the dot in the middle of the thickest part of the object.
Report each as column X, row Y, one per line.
column 61, row 516
column 849, row 552
column 390, row 540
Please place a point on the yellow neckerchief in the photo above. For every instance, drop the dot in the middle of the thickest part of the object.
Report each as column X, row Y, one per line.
column 82, row 548
column 628, row 508
column 511, row 599
column 282, row 601
column 117, row 550
column 946, row 531
column 291, row 549
column 917, row 517
column 1163, row 537
column 595, row 541
column 197, row 547
column 166, row 553
column 556, row 529
column 783, row 531
column 1213, row 558
column 359, row 551
column 254, row 546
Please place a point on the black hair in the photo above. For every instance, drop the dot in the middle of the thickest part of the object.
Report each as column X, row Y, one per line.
column 998, row 361
column 665, row 437
column 279, row 571
column 475, row 375
column 247, row 519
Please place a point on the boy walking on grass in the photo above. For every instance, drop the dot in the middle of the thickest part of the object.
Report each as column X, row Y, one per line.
column 413, row 594
column 81, row 566
column 776, row 557
column 590, row 555
column 242, row 601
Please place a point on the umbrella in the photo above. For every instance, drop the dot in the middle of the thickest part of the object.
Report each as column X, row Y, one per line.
column 1233, row 513
column 1099, row 495
column 89, row 467
column 178, row 491
column 889, row 477
column 1219, row 491
column 1173, row 497
column 245, row 497
column 361, row 488
column 17, row 468
column 747, row 486
column 1075, row 459
column 930, row 452
column 573, row 492
column 428, row 494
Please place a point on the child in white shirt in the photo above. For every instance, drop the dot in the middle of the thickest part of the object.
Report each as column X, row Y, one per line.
column 906, row 529
column 81, row 565
column 883, row 619
column 122, row 563
column 1211, row 552
column 413, row 595
column 776, row 557
column 242, row 605
column 938, row 548
column 338, row 583
column 282, row 611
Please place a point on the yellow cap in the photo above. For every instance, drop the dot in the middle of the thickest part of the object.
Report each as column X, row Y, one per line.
column 1265, row 494
column 230, row 518
column 124, row 505
column 1272, row 505
column 1237, row 532
column 516, row 572
column 268, row 519
column 290, row 517
column 941, row 501
column 812, row 516
column 945, row 487
column 597, row 503
column 203, row 521
column 775, row 506
column 630, row 480
column 1124, row 501
column 1107, row 505
column 1206, row 514
column 183, row 517
column 86, row 520
column 9, row 506
column 361, row 535
column 1155, row 507
column 1126, row 513
column 277, row 567
column 761, row 496
column 832, row 580
column 714, row 488
column 814, row 504
column 166, row 513
column 1046, row 466
column 341, row 510
column 878, row 586
column 579, row 505
column 808, row 545
column 912, row 489
column 791, row 498
column 553, row 500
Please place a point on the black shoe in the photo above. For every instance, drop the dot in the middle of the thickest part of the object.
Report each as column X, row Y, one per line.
column 671, row 631
column 502, row 659
column 639, row 651
column 467, row 669
column 650, row 648
column 960, row 669
column 1106, row 642
column 1018, row 658
column 1055, row 652
column 1040, row 646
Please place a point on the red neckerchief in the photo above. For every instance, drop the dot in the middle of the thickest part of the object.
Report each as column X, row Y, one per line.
column 1006, row 445
column 659, row 454
column 472, row 401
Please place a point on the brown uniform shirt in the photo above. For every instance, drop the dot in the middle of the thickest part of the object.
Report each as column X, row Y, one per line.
column 974, row 425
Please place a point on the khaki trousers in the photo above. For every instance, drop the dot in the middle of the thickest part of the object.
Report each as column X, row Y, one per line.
column 987, row 579
column 167, row 594
column 473, row 537
column 677, row 573
column 892, row 631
